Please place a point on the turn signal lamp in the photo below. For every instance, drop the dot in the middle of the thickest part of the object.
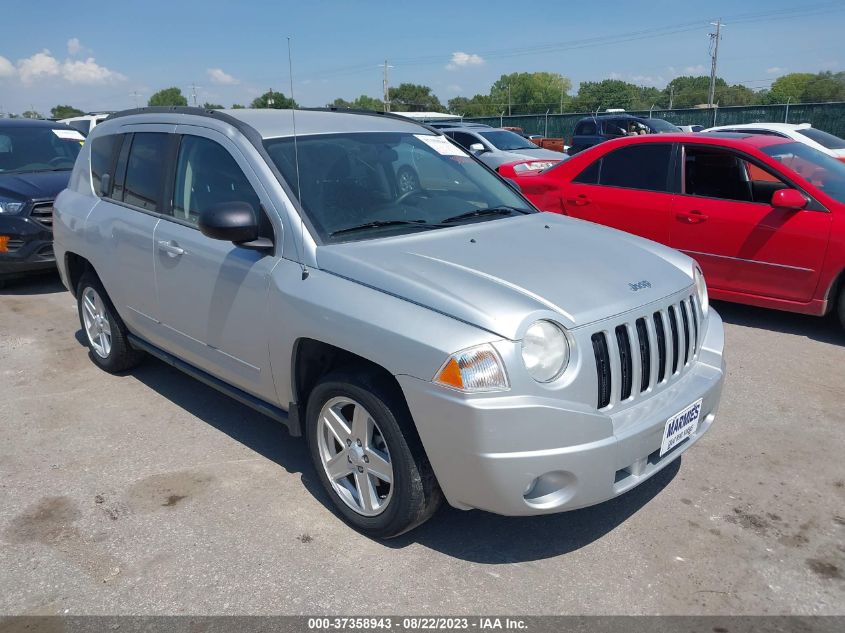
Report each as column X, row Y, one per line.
column 4, row 243
column 473, row 370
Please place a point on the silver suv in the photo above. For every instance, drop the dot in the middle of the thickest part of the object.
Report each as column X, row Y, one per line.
column 442, row 341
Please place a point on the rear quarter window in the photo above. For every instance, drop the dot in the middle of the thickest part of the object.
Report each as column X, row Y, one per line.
column 102, row 153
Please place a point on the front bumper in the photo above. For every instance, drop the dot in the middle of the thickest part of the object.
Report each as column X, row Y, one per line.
column 29, row 249
column 488, row 453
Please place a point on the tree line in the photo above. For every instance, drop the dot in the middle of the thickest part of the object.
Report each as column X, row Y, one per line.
column 540, row 92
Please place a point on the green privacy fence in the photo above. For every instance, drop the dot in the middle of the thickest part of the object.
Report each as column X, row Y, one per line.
column 829, row 117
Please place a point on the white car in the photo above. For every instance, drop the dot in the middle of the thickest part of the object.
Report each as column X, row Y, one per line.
column 801, row 132
column 86, row 122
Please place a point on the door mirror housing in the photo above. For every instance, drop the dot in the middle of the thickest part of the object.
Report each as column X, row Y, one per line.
column 477, row 148
column 789, row 199
column 229, row 221
column 105, row 184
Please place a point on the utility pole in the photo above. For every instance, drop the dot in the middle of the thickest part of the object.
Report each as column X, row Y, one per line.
column 714, row 45
column 270, row 100
column 386, row 87
column 509, row 99
column 135, row 94
column 671, row 96
column 561, row 99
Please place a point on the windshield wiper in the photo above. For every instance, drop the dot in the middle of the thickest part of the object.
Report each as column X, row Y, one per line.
column 478, row 213
column 377, row 224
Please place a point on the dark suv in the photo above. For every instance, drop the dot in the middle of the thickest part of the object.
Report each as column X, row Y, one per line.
column 592, row 130
column 36, row 158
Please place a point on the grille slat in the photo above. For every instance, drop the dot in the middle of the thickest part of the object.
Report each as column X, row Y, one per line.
column 660, row 331
column 694, row 310
column 673, row 327
column 685, row 320
column 602, row 368
column 43, row 213
column 645, row 354
column 626, row 364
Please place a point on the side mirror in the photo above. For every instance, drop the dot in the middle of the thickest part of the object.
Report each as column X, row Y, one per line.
column 789, row 199
column 477, row 148
column 230, row 222
column 105, row 184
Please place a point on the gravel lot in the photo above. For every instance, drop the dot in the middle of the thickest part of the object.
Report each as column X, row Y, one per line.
column 150, row 493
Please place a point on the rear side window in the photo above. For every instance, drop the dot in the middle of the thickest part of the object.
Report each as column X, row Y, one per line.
column 145, row 170
column 585, row 128
column 643, row 166
column 464, row 140
column 590, row 175
column 102, row 155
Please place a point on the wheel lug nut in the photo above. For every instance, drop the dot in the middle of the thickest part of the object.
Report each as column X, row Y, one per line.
column 366, row 459
column 360, row 469
column 349, row 442
column 358, row 442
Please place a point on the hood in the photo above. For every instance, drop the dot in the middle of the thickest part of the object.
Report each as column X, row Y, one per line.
column 515, row 270
column 540, row 152
column 33, row 185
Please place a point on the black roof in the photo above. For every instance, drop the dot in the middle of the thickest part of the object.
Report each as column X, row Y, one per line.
column 7, row 123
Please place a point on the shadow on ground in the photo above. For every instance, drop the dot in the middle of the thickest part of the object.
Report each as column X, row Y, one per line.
column 39, row 284
column 474, row 536
column 824, row 329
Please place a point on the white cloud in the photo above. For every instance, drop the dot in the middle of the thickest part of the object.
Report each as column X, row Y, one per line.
column 40, row 65
column 219, row 77
column 73, row 46
column 462, row 60
column 7, row 68
column 89, row 72
column 43, row 65
column 695, row 70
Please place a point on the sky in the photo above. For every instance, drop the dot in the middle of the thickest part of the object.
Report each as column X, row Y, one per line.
column 107, row 56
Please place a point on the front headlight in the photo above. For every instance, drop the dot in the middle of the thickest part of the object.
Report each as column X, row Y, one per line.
column 545, row 351
column 534, row 165
column 474, row 370
column 701, row 290
column 11, row 207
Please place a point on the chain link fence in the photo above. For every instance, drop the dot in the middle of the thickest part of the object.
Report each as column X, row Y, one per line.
column 829, row 117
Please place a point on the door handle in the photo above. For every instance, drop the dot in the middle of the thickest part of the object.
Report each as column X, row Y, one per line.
column 171, row 248
column 579, row 201
column 692, row 217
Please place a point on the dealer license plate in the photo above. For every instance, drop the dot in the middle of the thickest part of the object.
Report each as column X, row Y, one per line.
column 680, row 426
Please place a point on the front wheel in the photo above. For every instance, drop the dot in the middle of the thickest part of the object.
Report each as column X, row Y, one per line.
column 368, row 456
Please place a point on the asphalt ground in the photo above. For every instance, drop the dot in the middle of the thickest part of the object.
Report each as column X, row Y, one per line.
column 150, row 493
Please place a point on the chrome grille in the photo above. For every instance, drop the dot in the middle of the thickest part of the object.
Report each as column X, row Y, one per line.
column 43, row 212
column 649, row 351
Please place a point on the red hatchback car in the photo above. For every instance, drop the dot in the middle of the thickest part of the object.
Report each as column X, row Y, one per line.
column 764, row 216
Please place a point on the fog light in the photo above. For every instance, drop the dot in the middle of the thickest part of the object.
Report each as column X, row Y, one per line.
column 551, row 489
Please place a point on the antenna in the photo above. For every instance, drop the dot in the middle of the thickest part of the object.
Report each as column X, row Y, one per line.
column 296, row 162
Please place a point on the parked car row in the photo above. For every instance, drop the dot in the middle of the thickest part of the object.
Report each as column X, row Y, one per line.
column 443, row 340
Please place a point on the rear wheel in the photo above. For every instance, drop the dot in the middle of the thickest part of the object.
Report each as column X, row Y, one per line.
column 104, row 331
column 368, row 456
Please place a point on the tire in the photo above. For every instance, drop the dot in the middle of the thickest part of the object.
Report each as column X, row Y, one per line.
column 104, row 332
column 412, row 496
column 407, row 180
column 840, row 306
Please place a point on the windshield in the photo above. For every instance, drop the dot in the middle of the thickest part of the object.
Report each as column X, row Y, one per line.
column 38, row 149
column 826, row 173
column 506, row 140
column 823, row 138
column 659, row 125
column 373, row 184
